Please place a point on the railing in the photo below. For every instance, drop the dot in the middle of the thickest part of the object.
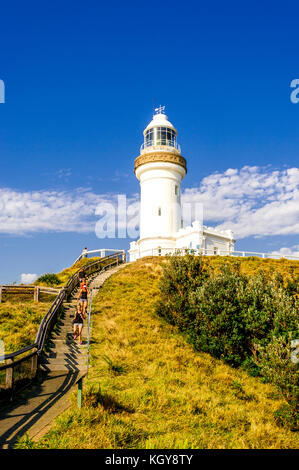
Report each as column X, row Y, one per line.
column 160, row 144
column 88, row 328
column 102, row 252
column 21, row 366
column 35, row 290
column 213, row 252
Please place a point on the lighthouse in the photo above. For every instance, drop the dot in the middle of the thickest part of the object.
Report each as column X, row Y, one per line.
column 160, row 169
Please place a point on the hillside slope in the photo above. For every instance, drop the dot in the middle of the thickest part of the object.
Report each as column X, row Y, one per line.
column 149, row 389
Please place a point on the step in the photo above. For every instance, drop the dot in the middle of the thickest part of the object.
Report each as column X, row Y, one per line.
column 59, row 343
column 67, row 329
column 67, row 333
column 66, row 352
column 63, row 355
column 61, row 368
column 66, row 362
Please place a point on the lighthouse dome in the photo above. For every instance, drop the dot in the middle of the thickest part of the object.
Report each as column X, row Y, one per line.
column 159, row 120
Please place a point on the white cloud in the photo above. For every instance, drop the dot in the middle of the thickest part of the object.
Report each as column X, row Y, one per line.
column 251, row 201
column 46, row 211
column 28, row 278
column 285, row 251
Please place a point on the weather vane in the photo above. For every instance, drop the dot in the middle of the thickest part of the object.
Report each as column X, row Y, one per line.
column 160, row 110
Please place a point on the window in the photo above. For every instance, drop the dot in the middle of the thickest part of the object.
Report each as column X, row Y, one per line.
column 160, row 136
column 215, row 250
column 159, row 211
column 159, row 251
column 176, row 190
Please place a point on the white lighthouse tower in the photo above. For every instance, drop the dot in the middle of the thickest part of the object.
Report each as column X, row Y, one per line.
column 160, row 169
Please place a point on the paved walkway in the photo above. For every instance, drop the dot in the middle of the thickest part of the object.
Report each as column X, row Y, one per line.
column 34, row 410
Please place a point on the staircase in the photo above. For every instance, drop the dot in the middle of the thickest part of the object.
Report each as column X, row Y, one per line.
column 63, row 352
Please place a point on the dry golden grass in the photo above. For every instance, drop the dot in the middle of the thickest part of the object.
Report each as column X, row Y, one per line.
column 251, row 265
column 20, row 317
column 149, row 389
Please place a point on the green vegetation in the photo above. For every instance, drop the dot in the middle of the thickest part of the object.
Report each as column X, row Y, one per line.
column 49, row 279
column 149, row 388
column 246, row 320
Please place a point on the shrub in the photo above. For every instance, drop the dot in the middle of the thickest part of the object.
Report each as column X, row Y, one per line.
column 218, row 313
column 276, row 366
column 180, row 276
column 50, row 279
column 247, row 321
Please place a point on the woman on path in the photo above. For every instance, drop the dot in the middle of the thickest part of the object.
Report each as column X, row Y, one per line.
column 83, row 297
column 78, row 325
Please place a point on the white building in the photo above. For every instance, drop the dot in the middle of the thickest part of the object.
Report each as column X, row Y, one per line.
column 160, row 169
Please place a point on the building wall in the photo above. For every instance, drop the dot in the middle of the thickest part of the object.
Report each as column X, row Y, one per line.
column 187, row 238
column 217, row 243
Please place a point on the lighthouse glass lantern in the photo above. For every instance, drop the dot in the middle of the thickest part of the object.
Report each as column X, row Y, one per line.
column 160, row 133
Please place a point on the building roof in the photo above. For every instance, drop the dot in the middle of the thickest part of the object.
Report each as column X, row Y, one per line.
column 159, row 120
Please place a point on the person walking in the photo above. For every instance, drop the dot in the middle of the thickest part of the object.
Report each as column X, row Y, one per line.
column 82, row 275
column 83, row 297
column 78, row 326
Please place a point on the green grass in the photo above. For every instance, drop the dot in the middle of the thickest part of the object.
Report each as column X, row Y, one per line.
column 149, row 389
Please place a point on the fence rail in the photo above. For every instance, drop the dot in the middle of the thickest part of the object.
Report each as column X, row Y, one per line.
column 214, row 252
column 35, row 290
column 101, row 251
column 29, row 362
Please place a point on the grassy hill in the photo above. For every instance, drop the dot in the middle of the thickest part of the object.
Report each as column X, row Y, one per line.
column 148, row 388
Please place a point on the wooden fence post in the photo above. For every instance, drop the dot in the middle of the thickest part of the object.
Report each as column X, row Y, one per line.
column 34, row 365
column 9, row 375
column 36, row 294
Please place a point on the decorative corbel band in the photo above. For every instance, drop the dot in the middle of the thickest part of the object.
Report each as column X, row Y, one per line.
column 160, row 157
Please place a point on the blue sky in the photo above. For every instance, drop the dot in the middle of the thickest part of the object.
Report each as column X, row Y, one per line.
column 81, row 81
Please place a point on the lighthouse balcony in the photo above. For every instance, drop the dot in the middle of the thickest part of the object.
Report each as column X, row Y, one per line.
column 161, row 146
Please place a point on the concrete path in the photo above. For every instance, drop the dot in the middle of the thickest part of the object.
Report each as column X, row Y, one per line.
column 34, row 410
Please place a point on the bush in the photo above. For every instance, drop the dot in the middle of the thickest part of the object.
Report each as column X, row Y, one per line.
column 50, row 279
column 180, row 276
column 276, row 366
column 247, row 321
column 218, row 312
